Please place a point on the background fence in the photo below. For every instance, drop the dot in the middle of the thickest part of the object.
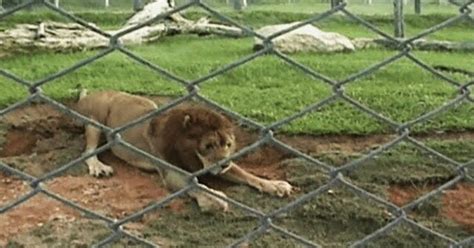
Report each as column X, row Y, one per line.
column 415, row 6
column 336, row 174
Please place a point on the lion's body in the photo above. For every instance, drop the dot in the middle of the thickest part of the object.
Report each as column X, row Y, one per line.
column 190, row 137
column 117, row 109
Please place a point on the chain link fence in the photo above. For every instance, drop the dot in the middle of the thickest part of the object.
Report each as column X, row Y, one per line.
column 336, row 174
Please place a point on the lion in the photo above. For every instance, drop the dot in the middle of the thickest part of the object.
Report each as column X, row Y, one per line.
column 190, row 137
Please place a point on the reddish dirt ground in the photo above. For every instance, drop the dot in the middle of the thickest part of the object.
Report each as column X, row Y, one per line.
column 458, row 202
column 458, row 205
column 127, row 191
column 38, row 129
column 401, row 195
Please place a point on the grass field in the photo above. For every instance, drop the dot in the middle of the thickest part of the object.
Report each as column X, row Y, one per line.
column 266, row 89
column 401, row 91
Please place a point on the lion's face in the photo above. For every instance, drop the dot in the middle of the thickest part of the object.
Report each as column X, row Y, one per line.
column 215, row 146
column 197, row 137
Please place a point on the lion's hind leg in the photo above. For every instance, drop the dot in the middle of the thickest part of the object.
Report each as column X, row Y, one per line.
column 207, row 202
column 96, row 168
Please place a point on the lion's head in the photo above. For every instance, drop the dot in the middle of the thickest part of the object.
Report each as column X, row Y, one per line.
column 196, row 137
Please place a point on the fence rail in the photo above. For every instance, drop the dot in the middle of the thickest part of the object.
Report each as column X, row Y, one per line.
column 417, row 6
column 337, row 175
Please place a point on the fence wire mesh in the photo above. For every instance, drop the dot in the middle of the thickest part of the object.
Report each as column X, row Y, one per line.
column 336, row 174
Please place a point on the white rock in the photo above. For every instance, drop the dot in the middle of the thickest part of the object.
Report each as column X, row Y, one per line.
column 307, row 38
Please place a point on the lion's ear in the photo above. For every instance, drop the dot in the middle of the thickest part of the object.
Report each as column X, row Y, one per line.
column 186, row 121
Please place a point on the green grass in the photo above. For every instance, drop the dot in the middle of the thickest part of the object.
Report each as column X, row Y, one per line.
column 354, row 7
column 267, row 89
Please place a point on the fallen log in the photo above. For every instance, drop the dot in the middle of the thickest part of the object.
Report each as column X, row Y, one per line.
column 55, row 36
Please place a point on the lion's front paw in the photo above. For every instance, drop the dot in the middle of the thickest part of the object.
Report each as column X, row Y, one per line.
column 97, row 168
column 277, row 187
column 208, row 202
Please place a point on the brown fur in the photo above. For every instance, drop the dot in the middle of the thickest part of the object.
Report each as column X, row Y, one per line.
column 190, row 137
column 182, row 138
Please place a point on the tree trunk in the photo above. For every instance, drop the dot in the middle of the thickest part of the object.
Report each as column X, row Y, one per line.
column 72, row 36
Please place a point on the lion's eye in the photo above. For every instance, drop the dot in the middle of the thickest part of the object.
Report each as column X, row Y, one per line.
column 208, row 146
column 228, row 144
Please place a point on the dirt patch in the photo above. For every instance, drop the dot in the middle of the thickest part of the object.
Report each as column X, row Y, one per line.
column 401, row 195
column 39, row 139
column 38, row 211
column 18, row 143
column 458, row 205
column 118, row 196
column 126, row 192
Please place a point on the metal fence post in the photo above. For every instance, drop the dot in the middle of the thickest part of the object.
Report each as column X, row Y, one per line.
column 417, row 7
column 398, row 19
column 240, row 4
column 137, row 5
column 335, row 3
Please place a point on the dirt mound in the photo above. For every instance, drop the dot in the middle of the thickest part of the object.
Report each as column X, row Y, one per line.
column 38, row 139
